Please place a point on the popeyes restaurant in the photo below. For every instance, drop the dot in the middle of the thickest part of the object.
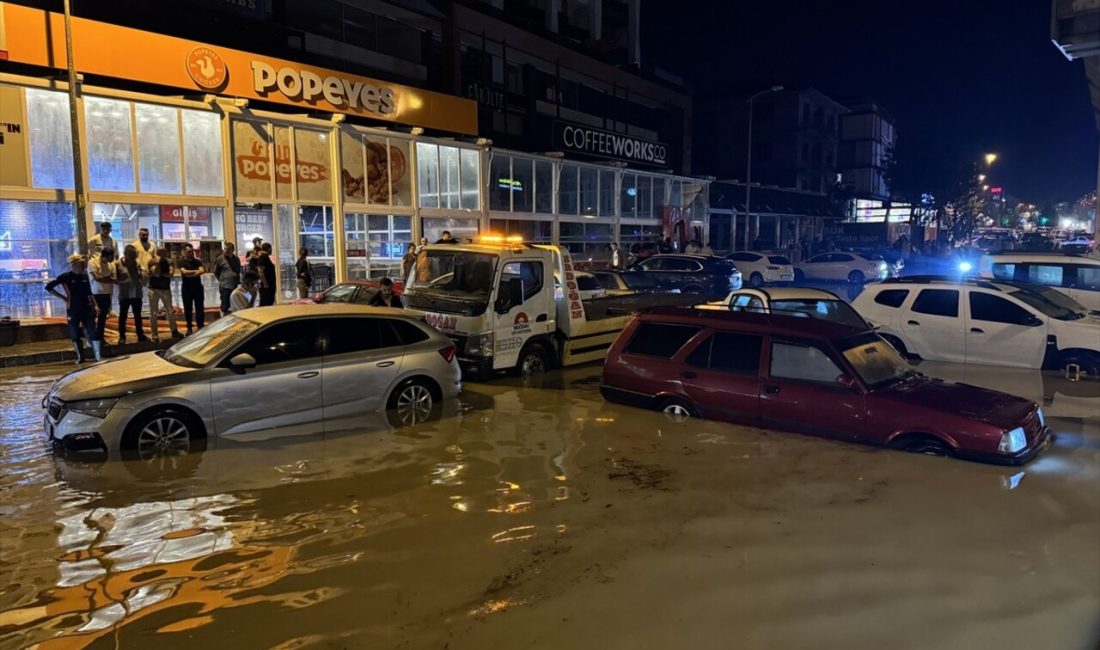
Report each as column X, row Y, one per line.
column 244, row 146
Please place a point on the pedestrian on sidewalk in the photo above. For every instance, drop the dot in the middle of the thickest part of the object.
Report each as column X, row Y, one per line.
column 408, row 261
column 146, row 250
column 131, row 288
column 304, row 272
column 79, row 305
column 227, row 269
column 103, row 274
column 265, row 269
column 193, row 297
column 101, row 240
column 618, row 257
column 160, row 293
column 254, row 252
column 244, row 296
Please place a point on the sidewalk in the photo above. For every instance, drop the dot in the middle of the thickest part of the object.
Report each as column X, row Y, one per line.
column 39, row 352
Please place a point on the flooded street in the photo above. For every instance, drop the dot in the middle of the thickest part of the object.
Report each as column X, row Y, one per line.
column 545, row 517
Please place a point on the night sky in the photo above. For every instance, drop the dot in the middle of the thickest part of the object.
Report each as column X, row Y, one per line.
column 978, row 76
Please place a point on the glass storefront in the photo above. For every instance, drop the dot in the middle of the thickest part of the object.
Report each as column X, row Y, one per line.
column 36, row 239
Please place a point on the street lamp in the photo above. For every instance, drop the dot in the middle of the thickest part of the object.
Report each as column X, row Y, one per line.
column 990, row 158
column 981, row 178
column 748, row 161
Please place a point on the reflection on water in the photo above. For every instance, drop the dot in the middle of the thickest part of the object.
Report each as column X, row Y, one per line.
column 386, row 534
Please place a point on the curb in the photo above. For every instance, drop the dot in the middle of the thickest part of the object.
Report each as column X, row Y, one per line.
column 68, row 355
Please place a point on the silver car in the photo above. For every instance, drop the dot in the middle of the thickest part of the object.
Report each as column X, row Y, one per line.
column 260, row 373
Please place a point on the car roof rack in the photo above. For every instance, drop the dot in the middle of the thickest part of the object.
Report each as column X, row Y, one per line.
column 927, row 279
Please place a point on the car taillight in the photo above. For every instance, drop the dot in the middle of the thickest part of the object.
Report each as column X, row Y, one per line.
column 448, row 353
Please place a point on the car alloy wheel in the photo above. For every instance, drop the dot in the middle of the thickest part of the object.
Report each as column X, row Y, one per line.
column 676, row 410
column 414, row 404
column 533, row 364
column 756, row 280
column 856, row 277
column 164, row 434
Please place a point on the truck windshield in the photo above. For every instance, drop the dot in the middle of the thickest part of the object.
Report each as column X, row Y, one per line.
column 442, row 276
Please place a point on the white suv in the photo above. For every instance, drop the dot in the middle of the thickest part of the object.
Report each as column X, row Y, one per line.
column 975, row 321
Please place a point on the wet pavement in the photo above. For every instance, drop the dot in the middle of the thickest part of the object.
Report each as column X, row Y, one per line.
column 544, row 517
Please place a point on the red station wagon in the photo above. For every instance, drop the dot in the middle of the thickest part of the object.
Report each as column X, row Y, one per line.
column 815, row 377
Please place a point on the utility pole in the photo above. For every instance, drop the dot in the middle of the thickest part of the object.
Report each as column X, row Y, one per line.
column 74, row 119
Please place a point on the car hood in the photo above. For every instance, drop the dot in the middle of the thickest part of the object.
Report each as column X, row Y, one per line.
column 963, row 400
column 120, row 376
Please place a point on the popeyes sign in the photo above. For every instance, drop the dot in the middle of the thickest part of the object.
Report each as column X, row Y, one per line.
column 35, row 37
column 256, row 165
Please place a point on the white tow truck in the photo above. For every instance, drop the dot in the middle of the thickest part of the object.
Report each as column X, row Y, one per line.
column 498, row 301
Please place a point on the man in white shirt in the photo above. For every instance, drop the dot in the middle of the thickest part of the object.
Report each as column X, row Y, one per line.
column 146, row 250
column 103, row 274
column 706, row 250
column 101, row 240
column 244, row 296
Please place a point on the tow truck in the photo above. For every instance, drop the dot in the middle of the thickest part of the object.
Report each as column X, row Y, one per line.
column 497, row 300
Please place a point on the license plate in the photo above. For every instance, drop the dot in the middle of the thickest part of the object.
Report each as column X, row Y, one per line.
column 786, row 276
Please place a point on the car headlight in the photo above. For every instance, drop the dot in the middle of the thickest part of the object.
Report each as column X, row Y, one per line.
column 97, row 408
column 1012, row 441
column 480, row 345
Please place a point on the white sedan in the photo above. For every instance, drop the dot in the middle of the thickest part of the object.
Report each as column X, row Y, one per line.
column 793, row 301
column 851, row 267
column 759, row 269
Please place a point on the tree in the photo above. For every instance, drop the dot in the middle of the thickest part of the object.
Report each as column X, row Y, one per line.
column 936, row 177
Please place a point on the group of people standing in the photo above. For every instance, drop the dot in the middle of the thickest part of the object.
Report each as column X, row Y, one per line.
column 88, row 288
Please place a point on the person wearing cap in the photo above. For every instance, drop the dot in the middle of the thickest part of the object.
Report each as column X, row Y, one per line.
column 101, row 240
column 79, row 305
column 103, row 273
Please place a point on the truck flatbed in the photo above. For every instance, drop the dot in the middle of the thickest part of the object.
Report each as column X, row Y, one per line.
column 601, row 308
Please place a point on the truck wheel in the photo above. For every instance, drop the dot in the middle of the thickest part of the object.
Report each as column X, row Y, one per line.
column 533, row 364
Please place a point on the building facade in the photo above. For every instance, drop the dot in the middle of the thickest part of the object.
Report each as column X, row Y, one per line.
column 795, row 139
column 866, row 141
column 225, row 145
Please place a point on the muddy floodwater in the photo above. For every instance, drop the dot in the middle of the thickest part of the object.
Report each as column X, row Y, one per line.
column 544, row 517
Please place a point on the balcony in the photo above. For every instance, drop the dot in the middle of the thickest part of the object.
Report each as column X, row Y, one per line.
column 1075, row 28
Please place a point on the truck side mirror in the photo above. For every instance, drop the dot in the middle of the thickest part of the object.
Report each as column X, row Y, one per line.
column 510, row 295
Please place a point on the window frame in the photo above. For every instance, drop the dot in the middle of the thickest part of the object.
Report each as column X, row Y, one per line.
column 958, row 301
column 773, row 341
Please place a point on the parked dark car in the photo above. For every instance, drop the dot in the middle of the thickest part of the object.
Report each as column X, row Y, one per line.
column 690, row 273
column 358, row 292
column 815, row 377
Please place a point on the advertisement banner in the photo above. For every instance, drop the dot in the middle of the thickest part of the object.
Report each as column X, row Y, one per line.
column 251, row 161
column 13, row 138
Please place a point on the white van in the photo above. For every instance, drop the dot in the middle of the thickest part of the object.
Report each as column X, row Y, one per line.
column 1076, row 276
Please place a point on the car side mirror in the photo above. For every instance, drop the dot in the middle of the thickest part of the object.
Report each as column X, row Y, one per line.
column 847, row 381
column 242, row 361
column 511, row 295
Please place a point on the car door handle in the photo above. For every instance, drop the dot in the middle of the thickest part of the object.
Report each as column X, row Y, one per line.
column 384, row 364
column 687, row 374
column 977, row 330
column 771, row 389
column 912, row 322
column 308, row 375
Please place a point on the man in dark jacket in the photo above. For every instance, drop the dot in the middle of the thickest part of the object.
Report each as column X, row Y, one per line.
column 79, row 305
column 227, row 269
column 385, row 296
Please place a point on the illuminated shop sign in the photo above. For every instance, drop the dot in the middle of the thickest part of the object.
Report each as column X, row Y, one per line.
column 597, row 142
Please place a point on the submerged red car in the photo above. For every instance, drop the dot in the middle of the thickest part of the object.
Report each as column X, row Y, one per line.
column 357, row 292
column 815, row 377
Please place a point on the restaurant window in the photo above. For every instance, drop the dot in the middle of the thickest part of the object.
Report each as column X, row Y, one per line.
column 36, row 239
column 374, row 170
column 568, row 189
column 660, row 196
column 544, row 186
column 532, row 231
column 311, row 165
column 607, row 194
column 51, row 143
column 645, row 196
column 464, row 229
column 635, row 235
column 500, row 189
column 158, row 142
column 447, row 177
column 587, row 240
column 202, row 153
column 389, row 236
column 523, row 184
column 110, row 147
column 589, row 190
column 628, row 197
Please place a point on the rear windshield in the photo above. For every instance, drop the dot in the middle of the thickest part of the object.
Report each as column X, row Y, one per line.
column 660, row 339
column 778, row 259
column 588, row 283
column 837, row 311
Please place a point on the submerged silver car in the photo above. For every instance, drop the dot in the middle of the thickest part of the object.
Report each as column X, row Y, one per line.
column 260, row 373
